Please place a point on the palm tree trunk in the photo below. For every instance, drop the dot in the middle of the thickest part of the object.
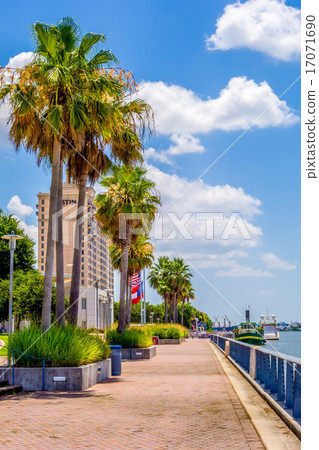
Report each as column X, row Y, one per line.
column 174, row 310
column 47, row 293
column 76, row 267
column 176, row 306
column 124, row 267
column 170, row 309
column 166, row 307
column 182, row 317
column 60, row 302
column 129, row 303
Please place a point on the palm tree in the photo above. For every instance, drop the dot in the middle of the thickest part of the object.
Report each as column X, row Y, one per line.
column 115, row 127
column 179, row 275
column 187, row 294
column 140, row 257
column 171, row 279
column 129, row 200
column 45, row 101
column 50, row 100
column 159, row 280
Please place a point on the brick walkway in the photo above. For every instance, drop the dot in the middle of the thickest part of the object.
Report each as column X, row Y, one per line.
column 179, row 399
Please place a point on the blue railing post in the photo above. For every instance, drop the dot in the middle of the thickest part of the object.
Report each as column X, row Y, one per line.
column 281, row 380
column 267, row 371
column 273, row 374
column 279, row 374
column 289, row 385
column 259, row 366
column 43, row 375
column 297, row 393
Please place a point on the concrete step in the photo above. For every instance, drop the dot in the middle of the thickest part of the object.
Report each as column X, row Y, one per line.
column 3, row 383
column 9, row 389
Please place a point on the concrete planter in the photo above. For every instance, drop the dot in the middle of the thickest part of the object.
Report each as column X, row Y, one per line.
column 170, row 341
column 139, row 353
column 60, row 378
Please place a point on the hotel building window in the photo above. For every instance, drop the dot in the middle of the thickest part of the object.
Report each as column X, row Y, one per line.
column 83, row 303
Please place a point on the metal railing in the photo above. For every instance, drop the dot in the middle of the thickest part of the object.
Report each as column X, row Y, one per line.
column 29, row 356
column 279, row 375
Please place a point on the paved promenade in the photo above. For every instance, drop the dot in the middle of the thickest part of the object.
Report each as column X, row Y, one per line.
column 179, row 399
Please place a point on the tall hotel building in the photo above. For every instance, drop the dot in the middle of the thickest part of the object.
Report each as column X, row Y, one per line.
column 95, row 259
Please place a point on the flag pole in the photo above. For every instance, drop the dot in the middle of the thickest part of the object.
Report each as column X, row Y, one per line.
column 144, row 289
column 141, row 309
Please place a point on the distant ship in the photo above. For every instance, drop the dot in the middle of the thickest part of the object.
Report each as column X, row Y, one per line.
column 249, row 332
column 269, row 325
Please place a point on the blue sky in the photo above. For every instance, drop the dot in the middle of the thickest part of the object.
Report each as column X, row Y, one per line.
column 209, row 69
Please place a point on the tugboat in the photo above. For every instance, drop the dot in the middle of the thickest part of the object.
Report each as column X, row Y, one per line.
column 269, row 325
column 249, row 332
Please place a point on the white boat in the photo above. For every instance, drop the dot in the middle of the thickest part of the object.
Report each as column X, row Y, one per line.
column 269, row 325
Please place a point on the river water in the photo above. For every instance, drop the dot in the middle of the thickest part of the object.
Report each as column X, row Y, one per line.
column 289, row 343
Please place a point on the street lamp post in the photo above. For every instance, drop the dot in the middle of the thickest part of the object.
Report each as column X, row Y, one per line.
column 12, row 245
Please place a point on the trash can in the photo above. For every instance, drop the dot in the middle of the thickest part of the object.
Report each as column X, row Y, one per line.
column 116, row 358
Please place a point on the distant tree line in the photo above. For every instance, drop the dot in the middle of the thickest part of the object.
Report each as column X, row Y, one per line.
column 159, row 314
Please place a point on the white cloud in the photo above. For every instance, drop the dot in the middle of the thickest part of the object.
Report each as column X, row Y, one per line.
column 267, row 26
column 20, row 212
column 16, row 207
column 197, row 244
column 243, row 271
column 30, row 230
column 20, row 60
column 266, row 293
column 157, row 155
column 179, row 111
column 184, row 143
column 273, row 262
column 17, row 61
column 181, row 144
column 201, row 197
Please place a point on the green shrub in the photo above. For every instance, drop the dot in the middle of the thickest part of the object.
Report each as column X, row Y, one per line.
column 158, row 330
column 4, row 338
column 174, row 333
column 136, row 337
column 168, row 331
column 67, row 346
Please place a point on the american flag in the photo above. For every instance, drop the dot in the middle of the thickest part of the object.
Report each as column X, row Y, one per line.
column 137, row 288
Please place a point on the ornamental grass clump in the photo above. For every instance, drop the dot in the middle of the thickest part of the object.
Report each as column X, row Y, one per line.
column 168, row 331
column 134, row 337
column 67, row 346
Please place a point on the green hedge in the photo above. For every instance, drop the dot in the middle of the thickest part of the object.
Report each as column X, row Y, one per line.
column 67, row 346
column 168, row 331
column 136, row 337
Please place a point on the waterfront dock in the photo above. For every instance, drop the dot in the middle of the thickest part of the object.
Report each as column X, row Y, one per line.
column 186, row 397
